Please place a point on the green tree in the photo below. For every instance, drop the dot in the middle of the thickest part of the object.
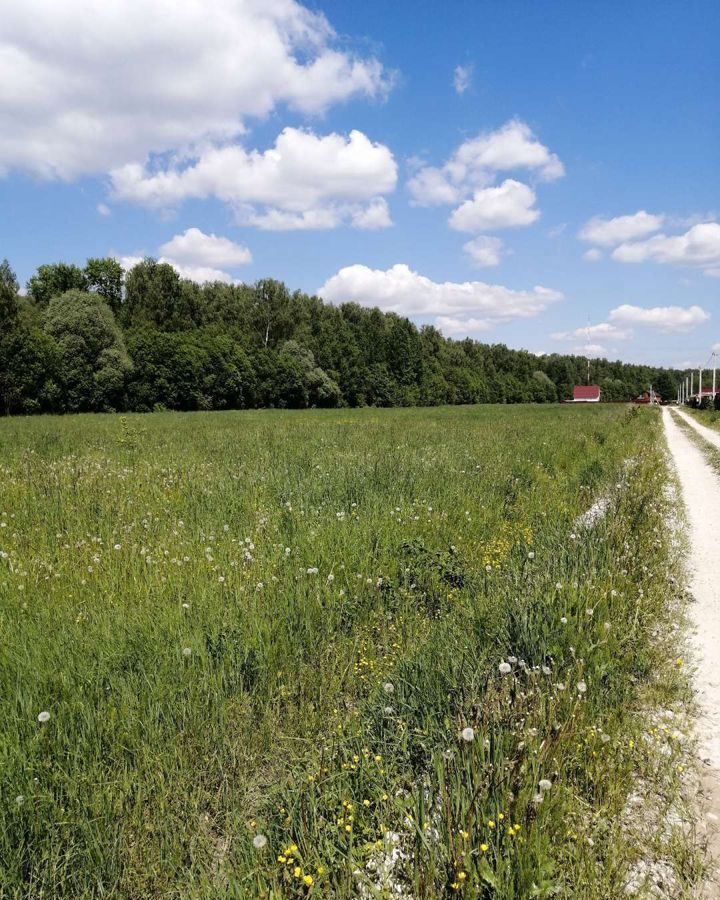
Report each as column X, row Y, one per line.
column 54, row 279
column 105, row 278
column 94, row 364
column 8, row 295
column 154, row 296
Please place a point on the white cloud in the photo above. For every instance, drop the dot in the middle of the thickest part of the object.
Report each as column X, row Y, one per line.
column 103, row 209
column 590, row 350
column 592, row 255
column 462, row 78
column 374, row 216
column 669, row 319
column 476, row 163
column 198, row 256
column 603, row 330
column 697, row 247
column 509, row 205
column 303, row 181
column 195, row 248
column 484, row 251
column 609, row 232
column 466, row 307
column 95, row 87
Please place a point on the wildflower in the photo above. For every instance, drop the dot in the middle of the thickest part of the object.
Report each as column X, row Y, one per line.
column 44, row 716
column 512, row 660
column 321, row 870
column 313, row 570
column 186, row 651
column 389, row 687
column 186, row 606
column 484, row 848
column 531, row 554
column 117, row 547
column 563, row 620
column 468, row 735
column 19, row 799
column 491, row 824
column 581, row 687
column 544, row 784
column 505, row 668
column 259, row 841
column 388, row 710
column 297, row 871
column 330, row 578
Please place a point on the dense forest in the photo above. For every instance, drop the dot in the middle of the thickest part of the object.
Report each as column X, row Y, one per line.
column 99, row 339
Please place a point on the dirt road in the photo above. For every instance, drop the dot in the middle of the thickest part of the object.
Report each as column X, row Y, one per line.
column 711, row 436
column 700, row 487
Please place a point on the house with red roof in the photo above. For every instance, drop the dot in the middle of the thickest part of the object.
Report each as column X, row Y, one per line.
column 586, row 393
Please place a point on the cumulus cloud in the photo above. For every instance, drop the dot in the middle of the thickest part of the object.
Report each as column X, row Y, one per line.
column 195, row 248
column 484, row 251
column 95, row 88
column 592, row 255
column 669, row 319
column 603, row 331
column 462, row 78
column 198, row 256
column 303, row 181
column 610, row 232
column 507, row 206
column 698, row 247
column 476, row 163
column 458, row 307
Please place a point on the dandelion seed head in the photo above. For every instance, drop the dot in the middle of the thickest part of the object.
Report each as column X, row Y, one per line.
column 544, row 784
column 505, row 668
column 468, row 735
column 389, row 687
column 186, row 651
column 581, row 687
column 44, row 716
column 259, row 841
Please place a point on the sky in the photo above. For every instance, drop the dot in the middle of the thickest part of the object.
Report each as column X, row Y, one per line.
column 544, row 175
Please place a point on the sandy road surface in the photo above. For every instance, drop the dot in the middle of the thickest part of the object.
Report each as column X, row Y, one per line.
column 701, row 495
column 710, row 435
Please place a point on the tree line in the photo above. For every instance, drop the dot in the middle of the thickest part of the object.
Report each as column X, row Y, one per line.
column 99, row 338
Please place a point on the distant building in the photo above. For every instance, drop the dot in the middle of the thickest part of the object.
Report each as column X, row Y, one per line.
column 586, row 393
column 649, row 397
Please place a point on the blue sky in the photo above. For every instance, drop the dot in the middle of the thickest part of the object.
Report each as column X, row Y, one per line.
column 455, row 162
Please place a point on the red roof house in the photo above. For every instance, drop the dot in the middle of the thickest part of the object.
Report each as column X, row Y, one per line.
column 586, row 393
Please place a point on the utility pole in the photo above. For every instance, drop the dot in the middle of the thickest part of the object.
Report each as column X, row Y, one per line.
column 714, row 360
column 692, row 382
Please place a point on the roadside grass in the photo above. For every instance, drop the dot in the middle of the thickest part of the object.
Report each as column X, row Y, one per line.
column 333, row 654
column 708, row 417
column 709, row 451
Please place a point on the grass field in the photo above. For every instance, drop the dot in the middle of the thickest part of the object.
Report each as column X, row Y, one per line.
column 331, row 654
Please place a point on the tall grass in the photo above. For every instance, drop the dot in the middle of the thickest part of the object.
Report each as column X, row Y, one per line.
column 261, row 637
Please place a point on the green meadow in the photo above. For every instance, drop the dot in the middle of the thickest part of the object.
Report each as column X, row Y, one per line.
column 351, row 653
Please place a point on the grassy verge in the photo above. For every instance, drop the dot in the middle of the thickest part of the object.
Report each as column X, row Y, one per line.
column 708, row 417
column 338, row 654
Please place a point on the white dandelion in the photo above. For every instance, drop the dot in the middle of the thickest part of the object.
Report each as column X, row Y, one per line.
column 581, row 687
column 468, row 735
column 186, row 651
column 259, row 841
column 544, row 784
column 389, row 687
column 505, row 668
column 44, row 716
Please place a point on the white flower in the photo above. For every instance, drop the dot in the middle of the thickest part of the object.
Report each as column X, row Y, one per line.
column 19, row 799
column 186, row 606
column 259, row 841
column 389, row 687
column 590, row 611
column 468, row 735
column 288, row 551
column 388, row 710
column 330, row 578
column 117, row 546
column 512, row 659
column 546, row 670
column 488, row 568
column 531, row 554
column 221, row 579
column 186, row 651
column 44, row 716
column 313, row 570
column 560, row 685
column 581, row 687
column 544, row 784
column 505, row 668
column 558, row 586
column 563, row 620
